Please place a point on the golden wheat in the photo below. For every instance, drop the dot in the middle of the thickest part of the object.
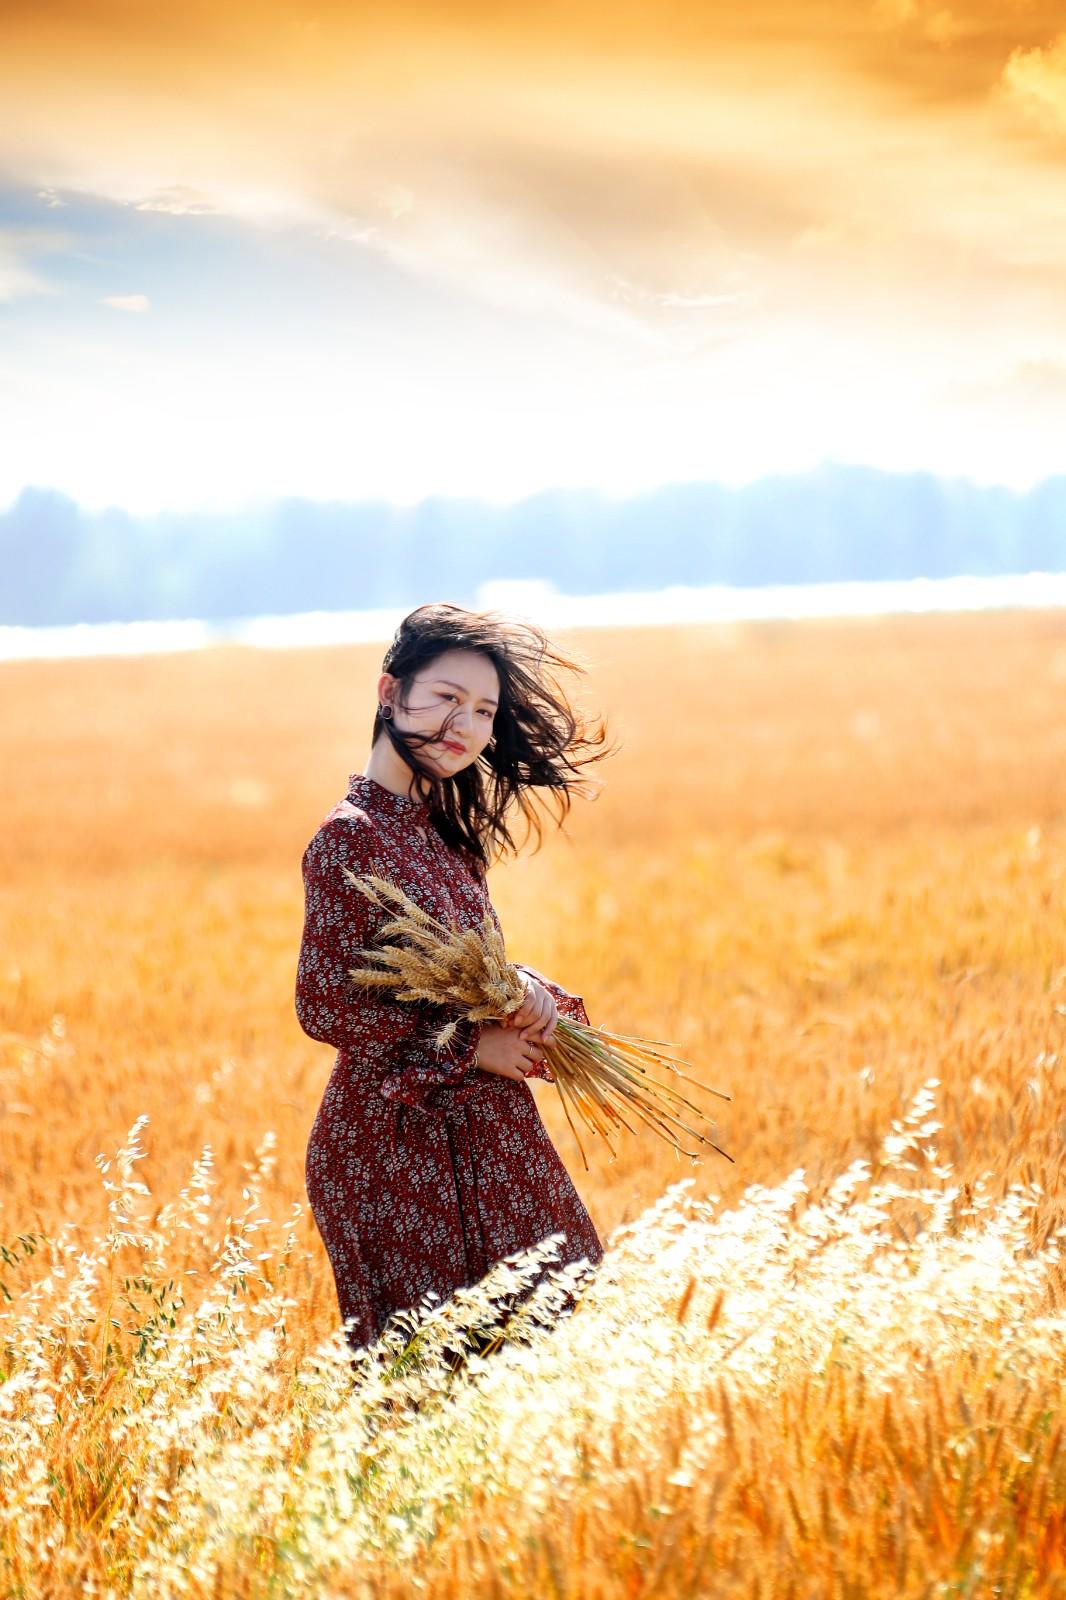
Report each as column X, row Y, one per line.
column 834, row 1367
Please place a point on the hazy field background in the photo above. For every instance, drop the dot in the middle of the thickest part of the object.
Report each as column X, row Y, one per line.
column 829, row 864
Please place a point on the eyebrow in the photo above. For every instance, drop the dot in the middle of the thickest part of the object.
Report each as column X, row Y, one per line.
column 464, row 688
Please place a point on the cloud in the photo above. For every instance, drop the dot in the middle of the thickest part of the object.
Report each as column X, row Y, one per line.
column 178, row 200
column 630, row 230
column 933, row 22
column 830, row 207
column 631, row 173
column 126, row 302
column 1035, row 82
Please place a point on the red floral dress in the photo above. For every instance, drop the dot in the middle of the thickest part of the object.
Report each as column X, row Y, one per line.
column 422, row 1170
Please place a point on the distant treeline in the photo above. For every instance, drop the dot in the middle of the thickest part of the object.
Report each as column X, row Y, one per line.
column 59, row 564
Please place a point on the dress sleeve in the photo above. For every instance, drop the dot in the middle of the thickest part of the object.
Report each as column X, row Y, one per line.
column 331, row 1007
column 571, row 1005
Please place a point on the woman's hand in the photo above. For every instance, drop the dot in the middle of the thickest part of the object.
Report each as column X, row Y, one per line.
column 507, row 1050
column 538, row 1012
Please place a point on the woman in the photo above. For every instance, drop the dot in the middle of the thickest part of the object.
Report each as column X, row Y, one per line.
column 423, row 1169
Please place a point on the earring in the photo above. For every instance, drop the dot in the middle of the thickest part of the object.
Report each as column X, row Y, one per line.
column 385, row 712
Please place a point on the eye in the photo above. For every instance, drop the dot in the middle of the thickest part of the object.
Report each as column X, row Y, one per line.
column 445, row 695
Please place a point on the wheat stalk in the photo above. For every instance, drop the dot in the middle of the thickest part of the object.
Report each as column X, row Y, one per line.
column 601, row 1075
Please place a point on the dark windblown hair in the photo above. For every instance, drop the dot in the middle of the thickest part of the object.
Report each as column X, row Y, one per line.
column 536, row 740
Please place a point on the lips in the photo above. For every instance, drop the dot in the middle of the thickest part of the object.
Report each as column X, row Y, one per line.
column 459, row 749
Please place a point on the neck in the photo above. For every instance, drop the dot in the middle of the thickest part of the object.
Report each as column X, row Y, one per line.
column 386, row 768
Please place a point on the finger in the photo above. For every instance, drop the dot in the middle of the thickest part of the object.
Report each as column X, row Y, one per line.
column 527, row 1009
column 506, row 1070
column 545, row 1025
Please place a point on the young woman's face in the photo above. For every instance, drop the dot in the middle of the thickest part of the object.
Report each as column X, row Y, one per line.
column 459, row 688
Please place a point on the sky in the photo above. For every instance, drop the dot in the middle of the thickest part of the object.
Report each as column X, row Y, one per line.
column 351, row 252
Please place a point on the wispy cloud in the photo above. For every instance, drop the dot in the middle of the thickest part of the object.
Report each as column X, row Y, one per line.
column 178, row 200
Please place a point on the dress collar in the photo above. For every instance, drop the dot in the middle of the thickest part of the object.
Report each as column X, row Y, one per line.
column 368, row 792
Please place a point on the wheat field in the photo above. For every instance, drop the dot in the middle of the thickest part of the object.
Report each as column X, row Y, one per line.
column 828, row 865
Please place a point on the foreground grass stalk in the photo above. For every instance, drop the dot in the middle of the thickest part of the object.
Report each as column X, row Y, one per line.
column 779, row 1386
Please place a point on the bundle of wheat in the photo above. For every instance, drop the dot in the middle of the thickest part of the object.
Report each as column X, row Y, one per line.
column 601, row 1074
